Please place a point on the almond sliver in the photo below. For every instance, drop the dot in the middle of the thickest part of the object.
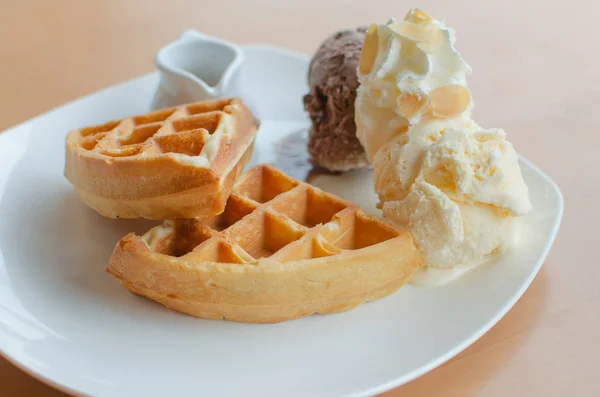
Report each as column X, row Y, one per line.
column 412, row 31
column 450, row 100
column 369, row 50
column 417, row 16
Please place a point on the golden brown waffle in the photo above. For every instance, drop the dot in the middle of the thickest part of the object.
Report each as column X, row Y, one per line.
column 282, row 249
column 179, row 162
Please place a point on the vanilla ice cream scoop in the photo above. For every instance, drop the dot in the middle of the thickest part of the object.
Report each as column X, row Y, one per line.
column 408, row 70
column 477, row 166
column 460, row 188
column 398, row 161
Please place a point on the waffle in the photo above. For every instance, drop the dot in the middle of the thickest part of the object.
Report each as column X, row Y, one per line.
column 179, row 162
column 282, row 249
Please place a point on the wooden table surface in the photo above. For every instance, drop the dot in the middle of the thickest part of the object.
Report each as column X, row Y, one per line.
column 535, row 75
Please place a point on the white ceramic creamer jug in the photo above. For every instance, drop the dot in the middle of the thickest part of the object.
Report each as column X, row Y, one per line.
column 196, row 67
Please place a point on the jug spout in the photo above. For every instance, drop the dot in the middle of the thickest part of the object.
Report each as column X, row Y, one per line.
column 196, row 67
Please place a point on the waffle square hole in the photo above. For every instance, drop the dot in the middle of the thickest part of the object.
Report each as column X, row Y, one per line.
column 208, row 106
column 154, row 117
column 229, row 254
column 126, row 151
column 187, row 235
column 140, row 134
column 99, row 128
column 309, row 207
column 188, row 142
column 219, row 251
column 262, row 234
column 263, row 184
column 91, row 142
column 235, row 209
column 209, row 121
column 307, row 248
column 356, row 231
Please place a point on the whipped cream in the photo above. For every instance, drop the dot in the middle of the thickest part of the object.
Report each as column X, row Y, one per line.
column 408, row 70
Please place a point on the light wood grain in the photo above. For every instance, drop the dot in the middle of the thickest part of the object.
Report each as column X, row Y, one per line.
column 535, row 74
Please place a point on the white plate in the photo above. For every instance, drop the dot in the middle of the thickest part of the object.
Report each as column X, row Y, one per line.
column 66, row 321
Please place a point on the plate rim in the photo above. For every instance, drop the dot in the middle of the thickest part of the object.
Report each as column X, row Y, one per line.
column 398, row 381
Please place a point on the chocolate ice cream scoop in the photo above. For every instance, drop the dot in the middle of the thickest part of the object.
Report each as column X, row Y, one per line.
column 333, row 81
